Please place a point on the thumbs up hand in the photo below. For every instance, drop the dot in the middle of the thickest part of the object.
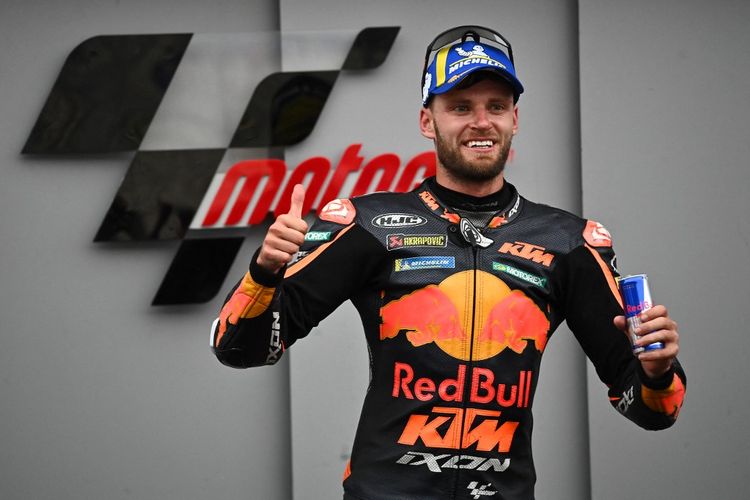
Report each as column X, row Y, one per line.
column 298, row 199
column 285, row 235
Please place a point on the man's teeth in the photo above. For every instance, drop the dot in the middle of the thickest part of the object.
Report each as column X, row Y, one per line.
column 479, row 144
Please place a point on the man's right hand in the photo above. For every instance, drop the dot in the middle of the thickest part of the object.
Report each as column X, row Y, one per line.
column 285, row 235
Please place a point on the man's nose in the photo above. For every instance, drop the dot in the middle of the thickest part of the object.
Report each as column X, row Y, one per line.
column 481, row 119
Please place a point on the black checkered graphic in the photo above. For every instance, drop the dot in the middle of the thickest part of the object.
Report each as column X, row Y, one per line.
column 104, row 101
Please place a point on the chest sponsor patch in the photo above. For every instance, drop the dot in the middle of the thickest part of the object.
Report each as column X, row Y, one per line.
column 318, row 236
column 520, row 274
column 399, row 240
column 398, row 220
column 427, row 262
column 527, row 251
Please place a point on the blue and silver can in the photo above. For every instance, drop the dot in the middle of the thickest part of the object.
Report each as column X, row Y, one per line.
column 636, row 298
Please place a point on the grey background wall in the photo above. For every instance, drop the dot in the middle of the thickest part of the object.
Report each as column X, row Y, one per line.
column 104, row 396
column 664, row 114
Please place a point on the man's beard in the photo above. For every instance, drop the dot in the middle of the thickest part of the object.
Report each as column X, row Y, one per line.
column 462, row 169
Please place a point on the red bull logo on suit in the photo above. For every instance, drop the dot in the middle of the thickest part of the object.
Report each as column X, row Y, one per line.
column 504, row 318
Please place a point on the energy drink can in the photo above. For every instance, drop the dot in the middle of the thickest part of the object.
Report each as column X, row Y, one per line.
column 636, row 298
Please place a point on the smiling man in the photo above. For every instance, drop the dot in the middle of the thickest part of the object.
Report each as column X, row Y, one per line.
column 477, row 124
column 459, row 284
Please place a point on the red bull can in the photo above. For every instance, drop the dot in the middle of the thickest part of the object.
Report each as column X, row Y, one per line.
column 636, row 298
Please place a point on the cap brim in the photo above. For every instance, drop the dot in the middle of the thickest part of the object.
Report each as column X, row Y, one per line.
column 457, row 79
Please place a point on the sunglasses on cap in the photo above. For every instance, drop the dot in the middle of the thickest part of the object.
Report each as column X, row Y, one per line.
column 462, row 34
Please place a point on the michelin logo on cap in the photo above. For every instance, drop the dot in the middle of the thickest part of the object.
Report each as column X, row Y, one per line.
column 452, row 64
column 475, row 56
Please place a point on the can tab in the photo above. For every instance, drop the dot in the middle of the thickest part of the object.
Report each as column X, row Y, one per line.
column 472, row 235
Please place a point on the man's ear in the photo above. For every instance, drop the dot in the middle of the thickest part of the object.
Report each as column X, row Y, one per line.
column 426, row 126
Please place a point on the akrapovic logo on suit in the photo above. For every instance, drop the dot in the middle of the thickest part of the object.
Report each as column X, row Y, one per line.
column 400, row 240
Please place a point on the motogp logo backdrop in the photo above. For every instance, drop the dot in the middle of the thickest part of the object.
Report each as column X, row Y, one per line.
column 104, row 101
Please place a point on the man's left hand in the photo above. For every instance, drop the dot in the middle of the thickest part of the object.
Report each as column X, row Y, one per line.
column 656, row 326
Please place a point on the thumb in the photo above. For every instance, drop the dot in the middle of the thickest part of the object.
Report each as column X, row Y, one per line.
column 298, row 199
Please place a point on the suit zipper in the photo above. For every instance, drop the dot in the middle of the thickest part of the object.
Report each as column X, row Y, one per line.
column 470, row 365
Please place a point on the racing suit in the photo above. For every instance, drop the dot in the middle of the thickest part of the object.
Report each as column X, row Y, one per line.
column 456, row 321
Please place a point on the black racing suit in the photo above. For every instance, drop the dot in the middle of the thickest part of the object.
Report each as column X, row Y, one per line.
column 456, row 321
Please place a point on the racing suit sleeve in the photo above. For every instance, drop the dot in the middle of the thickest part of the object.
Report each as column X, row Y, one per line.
column 266, row 313
column 591, row 301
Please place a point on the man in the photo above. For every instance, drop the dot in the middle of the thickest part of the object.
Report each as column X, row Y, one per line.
column 459, row 285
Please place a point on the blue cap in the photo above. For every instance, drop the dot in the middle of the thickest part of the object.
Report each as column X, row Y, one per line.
column 453, row 63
